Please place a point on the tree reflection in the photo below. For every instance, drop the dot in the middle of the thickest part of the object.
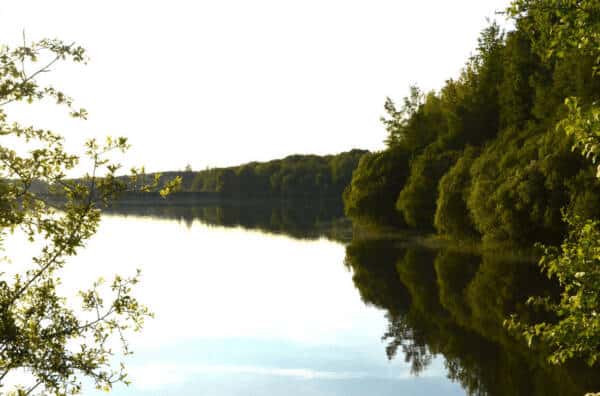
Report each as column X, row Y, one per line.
column 449, row 303
column 374, row 274
column 296, row 218
column 410, row 340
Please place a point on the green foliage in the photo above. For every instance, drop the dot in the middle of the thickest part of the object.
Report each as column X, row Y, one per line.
column 41, row 336
column 417, row 200
column 452, row 216
column 516, row 92
column 584, row 126
column 295, row 176
column 505, row 105
column 520, row 184
column 417, row 123
column 560, row 30
column 494, row 156
column 376, row 182
column 560, row 26
column 576, row 266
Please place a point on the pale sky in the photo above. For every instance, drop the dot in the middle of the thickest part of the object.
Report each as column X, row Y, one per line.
column 223, row 82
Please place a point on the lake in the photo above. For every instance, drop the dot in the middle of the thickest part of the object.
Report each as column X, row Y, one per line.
column 284, row 299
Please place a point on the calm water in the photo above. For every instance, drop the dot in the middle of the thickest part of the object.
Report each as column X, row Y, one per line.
column 281, row 300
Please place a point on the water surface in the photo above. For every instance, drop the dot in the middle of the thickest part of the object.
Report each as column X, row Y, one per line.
column 262, row 305
column 282, row 299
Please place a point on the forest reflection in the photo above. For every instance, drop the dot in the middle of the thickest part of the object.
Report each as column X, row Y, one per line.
column 450, row 303
column 439, row 301
column 300, row 219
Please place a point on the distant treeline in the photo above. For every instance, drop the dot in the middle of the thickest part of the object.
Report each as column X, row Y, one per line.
column 483, row 157
column 296, row 176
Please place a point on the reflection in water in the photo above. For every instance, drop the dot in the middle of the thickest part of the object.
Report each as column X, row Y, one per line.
column 453, row 304
column 299, row 219
column 281, row 315
column 246, row 312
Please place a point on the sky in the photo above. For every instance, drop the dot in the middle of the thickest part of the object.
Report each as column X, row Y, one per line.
column 219, row 83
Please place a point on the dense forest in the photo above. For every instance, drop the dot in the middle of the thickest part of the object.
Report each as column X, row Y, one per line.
column 482, row 157
column 295, row 176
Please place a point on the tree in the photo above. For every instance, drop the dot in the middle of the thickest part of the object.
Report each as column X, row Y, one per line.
column 576, row 266
column 567, row 29
column 417, row 199
column 452, row 216
column 375, row 184
column 575, row 332
column 40, row 336
column 584, row 126
column 561, row 29
column 397, row 122
column 560, row 26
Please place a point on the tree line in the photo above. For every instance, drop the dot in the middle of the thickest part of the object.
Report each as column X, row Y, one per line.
column 482, row 157
column 295, row 176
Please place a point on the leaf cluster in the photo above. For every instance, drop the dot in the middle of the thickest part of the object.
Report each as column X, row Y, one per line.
column 575, row 331
column 55, row 345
